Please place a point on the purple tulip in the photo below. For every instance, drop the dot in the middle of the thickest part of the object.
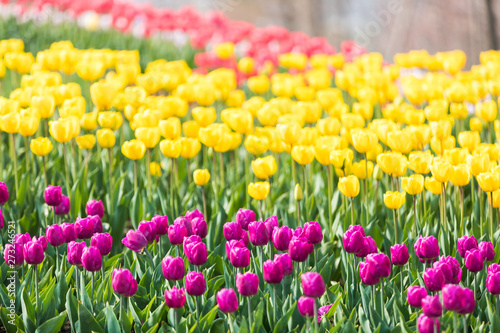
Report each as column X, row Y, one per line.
column 135, row 241
column 466, row 243
column 188, row 240
column 399, row 254
column 95, row 207
column 191, row 215
column 55, row 235
column 195, row 284
column 181, row 220
column 14, row 254
column 493, row 283
column 306, row 306
column 431, row 305
column 148, row 229
column 199, row 226
column 4, row 193
column 161, row 223
column 175, row 298
column 91, row 259
column 474, row 260
column 415, row 296
column 232, row 230
column 313, row 233
column 367, row 273
column 323, row 311
column 381, row 263
column 487, row 251
column 53, row 195
column 244, row 217
column 96, row 222
column 42, row 240
column 452, row 297
column 84, row 228
column 271, row 223
column 468, row 303
column 103, row 242
column 450, row 268
column 298, row 232
column 22, row 238
column 286, row 262
column 196, row 252
column 69, row 233
column 75, row 251
column 239, row 257
column 299, row 249
column 272, row 271
column 369, row 246
column 281, row 238
column 247, row 284
column 227, row 300
column 64, row 207
column 426, row 324
column 434, row 279
column 173, row 268
column 176, row 234
column 493, row 268
column 258, row 233
column 427, row 248
column 123, row 282
column 233, row 243
column 312, row 284
column 353, row 239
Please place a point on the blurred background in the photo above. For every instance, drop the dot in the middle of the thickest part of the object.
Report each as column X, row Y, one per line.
column 385, row 26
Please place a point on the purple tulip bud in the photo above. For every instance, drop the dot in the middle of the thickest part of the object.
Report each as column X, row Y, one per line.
column 258, row 233
column 95, row 207
column 381, row 263
column 427, row 324
column 474, row 260
column 232, row 230
column 239, row 256
column 298, row 232
column 493, row 283
column 64, row 207
column 161, row 223
column 181, row 220
column 103, row 242
column 452, row 297
column 487, row 251
column 367, row 273
column 75, row 251
column 148, row 229
column 247, row 284
column 468, row 303
column 272, row 271
column 199, row 226
column 323, row 311
column 135, row 241
column 450, row 268
column 91, row 259
column 84, row 228
column 69, row 233
column 13, row 254
column 227, row 300
column 42, row 240
column 299, row 249
column 466, row 243
column 196, row 252
column 123, row 282
column 353, row 239
column 4, row 193
column 271, row 223
column 231, row 244
column 415, row 296
column 493, row 268
column 188, row 240
column 191, row 215
column 195, row 284
column 53, row 195
column 434, row 279
column 173, row 268
column 96, row 222
column 286, row 262
column 313, row 233
column 427, row 248
column 176, row 234
column 399, row 254
column 55, row 235
column 312, row 284
column 281, row 238
column 22, row 238
column 306, row 306
column 431, row 305
column 369, row 246
column 175, row 298
column 244, row 217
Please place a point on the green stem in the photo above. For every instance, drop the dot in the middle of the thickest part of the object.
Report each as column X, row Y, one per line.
column 135, row 176
column 148, row 172
column 121, row 312
column 110, row 181
column 402, row 284
column 491, row 215
column 462, row 227
column 66, row 169
column 352, row 212
column 172, row 187
column 221, row 166
column 93, row 289
column 298, row 213
column 204, row 204
column 249, row 303
column 395, row 225
column 37, row 296
column 366, row 190
column 306, row 200
column 330, row 191
column 315, row 316
column 275, row 306
column 14, row 159
column 414, row 217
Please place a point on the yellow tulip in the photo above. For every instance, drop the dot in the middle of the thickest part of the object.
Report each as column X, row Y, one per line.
column 190, row 147
column 441, row 170
column 225, row 143
column 61, row 130
column 103, row 94
column 392, row 163
column 204, row 94
column 41, row 146
column 394, row 200
column 224, row 50
column 201, row 177
column 10, row 123
column 259, row 190
column 73, row 107
column 413, row 185
column 364, row 109
column 44, row 105
column 341, row 158
column 89, row 121
column 268, row 114
column 133, row 149
column 488, row 181
column 204, row 116
column 235, row 98
column 85, row 142
column 290, row 133
column 461, row 175
column 150, row 136
column 106, row 138
column 469, row 140
column 487, row 110
column 246, row 65
column 258, row 84
column 360, row 169
column 372, row 154
column 349, row 186
column 297, row 192
column 28, row 125
column 171, row 148
column 456, row 156
column 155, row 169
column 475, row 124
column 303, row 154
column 479, row 163
column 496, row 199
column 210, row 135
column 264, row 167
column 190, row 129
column 170, row 128
column 110, row 119
column 441, row 129
column 328, row 126
column 399, row 141
column 350, row 121
column 364, row 140
column 256, row 145
column 440, row 146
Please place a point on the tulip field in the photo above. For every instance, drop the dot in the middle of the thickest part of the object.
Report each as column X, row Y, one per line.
column 175, row 171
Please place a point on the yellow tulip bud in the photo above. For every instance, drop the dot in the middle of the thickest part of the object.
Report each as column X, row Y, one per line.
column 201, row 177
column 327, row 98
column 190, row 147
column 441, row 170
column 392, row 163
column 224, row 50
column 363, row 109
column 106, row 138
column 210, row 135
column 459, row 111
column 372, row 154
column 298, row 192
column 303, row 154
column 190, row 129
column 256, row 145
column 265, row 167
column 133, row 149
column 394, row 200
column 488, row 181
column 41, row 146
column 170, row 128
column 479, row 163
column 246, row 65
column 496, row 199
column 364, row 140
column 268, row 114
column 61, row 130
column 476, row 124
column 103, row 94
column 204, row 116
column 85, row 142
column 349, row 186
column 258, row 84
column 413, row 185
column 235, row 98
column 10, row 123
column 44, row 105
column 110, row 119
column 171, row 148
column 150, row 136
column 433, row 185
column 362, row 170
column 28, row 125
column 487, row 110
column 204, row 94
column 311, row 110
column 461, row 175
column 259, row 190
column 89, row 121
column 73, row 107
column 290, row 133
column 155, row 169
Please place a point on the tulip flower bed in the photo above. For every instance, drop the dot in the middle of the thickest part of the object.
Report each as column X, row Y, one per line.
column 147, row 186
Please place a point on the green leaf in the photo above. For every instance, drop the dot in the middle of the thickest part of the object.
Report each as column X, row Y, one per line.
column 72, row 308
column 53, row 325
column 87, row 321
column 112, row 324
column 282, row 324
